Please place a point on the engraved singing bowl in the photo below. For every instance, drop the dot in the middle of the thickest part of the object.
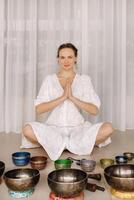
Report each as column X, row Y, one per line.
column 120, row 177
column 71, row 182
column 86, row 165
column 21, row 179
column 67, row 182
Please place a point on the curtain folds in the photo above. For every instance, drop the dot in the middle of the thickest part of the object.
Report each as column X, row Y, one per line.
column 30, row 33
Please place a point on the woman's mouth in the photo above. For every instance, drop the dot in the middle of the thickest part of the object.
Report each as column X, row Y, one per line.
column 66, row 65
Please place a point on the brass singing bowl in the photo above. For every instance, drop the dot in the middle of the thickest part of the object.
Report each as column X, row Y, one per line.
column 105, row 162
column 86, row 165
column 67, row 182
column 129, row 155
column 21, row 179
column 2, row 168
column 38, row 162
column 120, row 177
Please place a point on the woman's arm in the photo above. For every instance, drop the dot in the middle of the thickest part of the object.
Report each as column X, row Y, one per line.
column 48, row 106
column 88, row 107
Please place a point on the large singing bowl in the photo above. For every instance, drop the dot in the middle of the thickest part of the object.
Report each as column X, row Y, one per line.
column 21, row 179
column 67, row 182
column 120, row 177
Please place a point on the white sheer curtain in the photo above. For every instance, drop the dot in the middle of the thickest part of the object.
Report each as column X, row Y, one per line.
column 31, row 31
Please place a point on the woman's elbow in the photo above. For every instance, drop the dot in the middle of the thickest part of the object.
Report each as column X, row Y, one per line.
column 95, row 110
column 38, row 110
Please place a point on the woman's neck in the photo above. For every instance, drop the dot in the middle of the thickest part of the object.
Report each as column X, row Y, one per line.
column 66, row 74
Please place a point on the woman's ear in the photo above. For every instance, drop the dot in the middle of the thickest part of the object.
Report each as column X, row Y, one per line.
column 75, row 60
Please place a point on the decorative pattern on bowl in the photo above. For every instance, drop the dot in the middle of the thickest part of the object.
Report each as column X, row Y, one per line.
column 87, row 165
column 21, row 179
column 38, row 162
column 23, row 194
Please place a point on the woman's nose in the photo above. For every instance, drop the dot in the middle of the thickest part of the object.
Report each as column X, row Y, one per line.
column 66, row 60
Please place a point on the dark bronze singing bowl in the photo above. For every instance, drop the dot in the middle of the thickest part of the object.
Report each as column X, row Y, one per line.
column 67, row 182
column 120, row 177
column 129, row 155
column 38, row 162
column 21, row 179
column 2, row 168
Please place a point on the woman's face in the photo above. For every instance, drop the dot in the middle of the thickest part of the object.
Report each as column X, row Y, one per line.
column 66, row 59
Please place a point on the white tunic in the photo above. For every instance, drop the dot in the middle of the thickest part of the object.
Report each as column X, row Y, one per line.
column 65, row 127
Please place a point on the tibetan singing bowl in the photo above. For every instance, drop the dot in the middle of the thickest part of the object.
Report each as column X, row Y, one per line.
column 2, row 168
column 38, row 162
column 21, row 179
column 121, row 159
column 129, row 155
column 105, row 162
column 21, row 158
column 62, row 163
column 120, row 177
column 67, row 182
column 86, row 165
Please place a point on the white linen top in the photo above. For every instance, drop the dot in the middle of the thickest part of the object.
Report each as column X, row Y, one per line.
column 67, row 114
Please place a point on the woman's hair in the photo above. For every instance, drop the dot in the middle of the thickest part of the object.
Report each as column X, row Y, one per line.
column 67, row 45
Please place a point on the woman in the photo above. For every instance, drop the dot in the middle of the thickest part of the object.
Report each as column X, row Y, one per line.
column 63, row 95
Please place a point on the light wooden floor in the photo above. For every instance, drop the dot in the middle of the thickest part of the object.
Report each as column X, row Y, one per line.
column 10, row 143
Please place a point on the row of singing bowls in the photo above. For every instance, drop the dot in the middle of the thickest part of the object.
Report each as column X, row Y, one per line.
column 68, row 183
column 120, row 177
column 124, row 158
column 120, row 159
column 86, row 165
column 23, row 158
column 21, row 179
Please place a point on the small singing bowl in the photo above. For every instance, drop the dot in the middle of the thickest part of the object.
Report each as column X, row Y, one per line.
column 2, row 168
column 87, row 165
column 121, row 159
column 21, row 179
column 129, row 155
column 62, row 163
column 38, row 162
column 21, row 158
column 105, row 162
